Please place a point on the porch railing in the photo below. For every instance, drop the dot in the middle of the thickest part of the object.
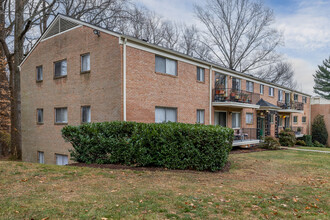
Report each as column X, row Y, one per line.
column 235, row 95
column 294, row 105
column 296, row 129
column 245, row 134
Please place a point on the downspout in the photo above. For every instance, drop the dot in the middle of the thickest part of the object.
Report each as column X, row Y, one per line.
column 210, row 106
column 124, row 79
column 310, row 116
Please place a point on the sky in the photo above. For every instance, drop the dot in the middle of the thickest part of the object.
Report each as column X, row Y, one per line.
column 305, row 25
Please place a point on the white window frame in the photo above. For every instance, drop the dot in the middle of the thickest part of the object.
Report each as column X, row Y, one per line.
column 237, row 117
column 294, row 97
column 166, row 62
column 62, row 66
column 249, row 86
column 262, row 89
column 66, row 112
column 226, row 117
column 247, row 119
column 200, row 74
column 280, row 95
column 271, row 91
column 238, row 82
column 61, row 159
column 41, row 157
column 199, row 113
column 88, row 68
column 166, row 109
column 295, row 122
column 83, row 108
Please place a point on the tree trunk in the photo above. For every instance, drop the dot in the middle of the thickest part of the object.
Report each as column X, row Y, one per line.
column 15, row 83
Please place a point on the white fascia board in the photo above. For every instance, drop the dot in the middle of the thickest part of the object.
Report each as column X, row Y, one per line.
column 235, row 104
column 290, row 111
column 44, row 39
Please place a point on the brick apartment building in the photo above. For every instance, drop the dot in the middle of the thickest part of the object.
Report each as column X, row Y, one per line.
column 321, row 106
column 78, row 73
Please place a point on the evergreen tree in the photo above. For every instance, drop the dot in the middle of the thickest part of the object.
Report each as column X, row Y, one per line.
column 322, row 80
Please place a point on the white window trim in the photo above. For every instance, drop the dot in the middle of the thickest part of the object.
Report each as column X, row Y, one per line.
column 226, row 116
column 240, row 119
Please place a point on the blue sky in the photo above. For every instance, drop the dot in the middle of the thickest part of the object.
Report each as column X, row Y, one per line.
column 305, row 25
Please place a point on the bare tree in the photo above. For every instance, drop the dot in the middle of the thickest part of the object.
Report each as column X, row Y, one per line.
column 281, row 73
column 239, row 33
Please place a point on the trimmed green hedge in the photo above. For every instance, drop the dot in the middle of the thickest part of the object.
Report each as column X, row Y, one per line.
column 170, row 145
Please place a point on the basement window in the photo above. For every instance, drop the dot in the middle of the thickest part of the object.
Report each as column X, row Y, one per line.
column 61, row 159
column 41, row 157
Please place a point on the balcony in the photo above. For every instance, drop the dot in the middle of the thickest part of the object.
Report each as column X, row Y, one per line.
column 298, row 131
column 235, row 98
column 294, row 107
column 245, row 136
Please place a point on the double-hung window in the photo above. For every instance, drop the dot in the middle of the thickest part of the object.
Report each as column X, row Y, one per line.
column 261, row 89
column 236, row 84
column 85, row 114
column 249, row 86
column 295, row 119
column 85, row 63
column 39, row 73
column 40, row 116
column 200, row 74
column 295, row 97
column 236, row 120
column 61, row 115
column 200, row 116
column 303, row 119
column 165, row 65
column 249, row 118
column 60, row 68
column 165, row 115
column 41, row 157
column 271, row 91
column 280, row 95
column 304, row 99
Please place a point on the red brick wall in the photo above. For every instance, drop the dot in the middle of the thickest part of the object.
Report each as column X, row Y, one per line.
column 322, row 109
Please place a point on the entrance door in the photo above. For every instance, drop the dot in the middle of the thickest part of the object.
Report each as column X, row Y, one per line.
column 220, row 118
column 261, row 127
column 287, row 122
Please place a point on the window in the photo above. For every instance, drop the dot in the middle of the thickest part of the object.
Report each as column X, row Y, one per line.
column 249, row 86
column 280, row 95
column 249, row 118
column 271, row 91
column 41, row 157
column 165, row 115
column 261, row 89
column 60, row 68
column 236, row 120
column 40, row 116
column 236, row 84
column 280, row 121
column 220, row 80
column 85, row 114
column 165, row 65
column 272, row 118
column 39, row 73
column 295, row 119
column 85, row 63
column 61, row 159
column 295, row 97
column 304, row 119
column 61, row 115
column 200, row 116
column 304, row 99
column 200, row 74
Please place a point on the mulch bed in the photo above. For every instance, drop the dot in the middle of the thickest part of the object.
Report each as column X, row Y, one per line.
column 246, row 150
column 124, row 167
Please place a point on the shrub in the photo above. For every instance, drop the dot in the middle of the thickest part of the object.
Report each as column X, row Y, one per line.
column 271, row 143
column 319, row 130
column 170, row 145
column 4, row 143
column 318, row 144
column 300, row 143
column 287, row 138
column 308, row 140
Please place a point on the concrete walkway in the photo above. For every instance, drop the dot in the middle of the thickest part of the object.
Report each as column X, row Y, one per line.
column 317, row 151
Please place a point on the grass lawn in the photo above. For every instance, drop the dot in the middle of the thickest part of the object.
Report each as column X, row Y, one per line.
column 270, row 184
column 315, row 148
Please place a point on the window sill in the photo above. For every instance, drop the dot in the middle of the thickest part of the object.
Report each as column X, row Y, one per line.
column 249, row 123
column 202, row 82
column 40, row 123
column 166, row 74
column 60, row 123
column 59, row 77
column 85, row 72
column 39, row 81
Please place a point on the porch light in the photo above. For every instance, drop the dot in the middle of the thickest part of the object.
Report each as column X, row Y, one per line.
column 96, row 32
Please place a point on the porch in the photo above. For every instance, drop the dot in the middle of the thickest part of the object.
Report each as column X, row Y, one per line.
column 245, row 136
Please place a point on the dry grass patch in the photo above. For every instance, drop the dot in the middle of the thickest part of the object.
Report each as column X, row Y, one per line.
column 270, row 184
